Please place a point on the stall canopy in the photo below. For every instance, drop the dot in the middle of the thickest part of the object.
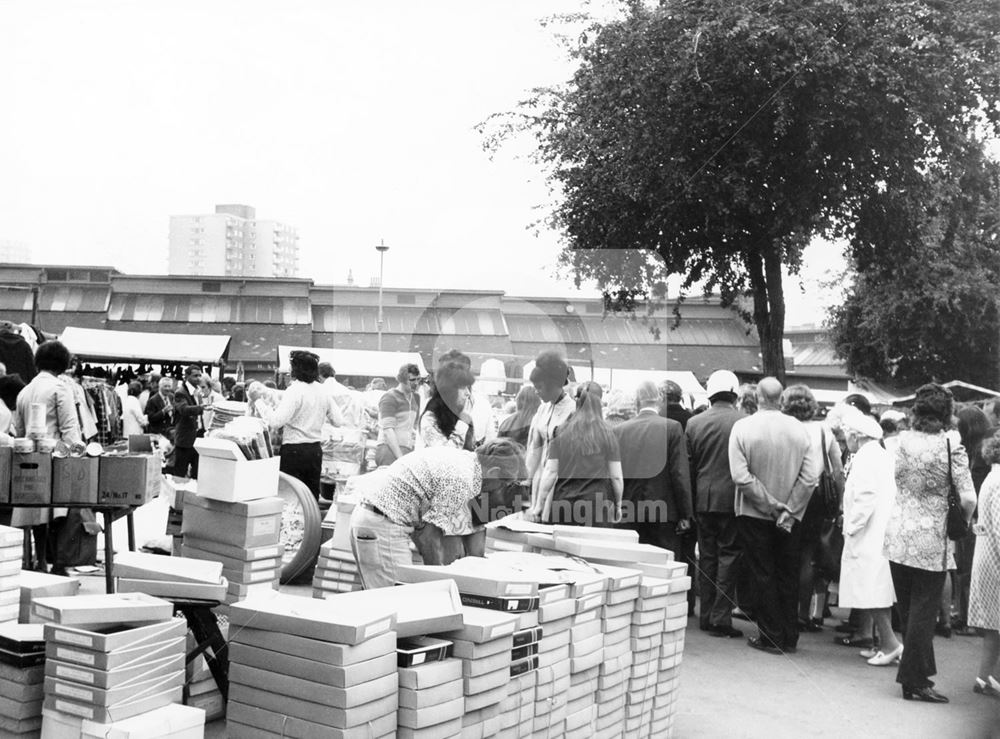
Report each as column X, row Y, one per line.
column 964, row 392
column 98, row 345
column 356, row 362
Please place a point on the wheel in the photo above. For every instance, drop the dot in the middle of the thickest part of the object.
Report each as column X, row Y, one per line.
column 300, row 527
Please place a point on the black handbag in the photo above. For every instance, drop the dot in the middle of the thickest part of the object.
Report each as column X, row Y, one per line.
column 828, row 489
column 831, row 547
column 956, row 526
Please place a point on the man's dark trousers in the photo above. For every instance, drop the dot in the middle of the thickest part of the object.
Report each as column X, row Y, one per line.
column 718, row 550
column 772, row 559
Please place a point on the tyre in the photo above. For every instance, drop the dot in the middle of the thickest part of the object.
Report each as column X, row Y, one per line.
column 300, row 527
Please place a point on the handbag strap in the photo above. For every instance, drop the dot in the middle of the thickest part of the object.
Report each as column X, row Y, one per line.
column 951, row 492
column 826, row 452
column 951, row 481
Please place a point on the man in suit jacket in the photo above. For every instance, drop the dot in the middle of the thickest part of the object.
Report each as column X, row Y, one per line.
column 714, row 495
column 160, row 408
column 655, row 468
column 188, row 424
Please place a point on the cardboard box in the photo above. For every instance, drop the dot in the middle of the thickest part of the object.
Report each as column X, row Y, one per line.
column 140, row 565
column 475, row 701
column 31, row 479
column 445, row 730
column 116, row 640
column 98, row 678
column 108, row 714
column 10, row 536
column 422, row 608
column 430, row 675
column 230, row 552
column 484, row 665
column 113, row 608
column 243, row 720
column 590, row 602
column 248, row 576
column 250, row 524
column 129, row 479
column 482, row 625
column 556, row 610
column 428, row 697
column 304, row 689
column 29, row 692
column 6, row 464
column 75, row 480
column 420, row 649
column 19, row 711
column 168, row 589
column 484, row 581
column 327, row 652
column 326, row 620
column 225, row 474
column 111, row 696
column 315, row 712
column 335, row 676
column 470, row 650
column 586, row 631
column 412, row 718
column 22, row 675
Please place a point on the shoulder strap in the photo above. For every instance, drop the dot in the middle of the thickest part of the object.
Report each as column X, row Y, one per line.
column 826, row 453
column 951, row 483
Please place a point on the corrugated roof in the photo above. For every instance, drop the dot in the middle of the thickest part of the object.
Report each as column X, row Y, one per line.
column 809, row 355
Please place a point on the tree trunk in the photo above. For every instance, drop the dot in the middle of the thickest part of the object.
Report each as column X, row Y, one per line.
column 768, row 310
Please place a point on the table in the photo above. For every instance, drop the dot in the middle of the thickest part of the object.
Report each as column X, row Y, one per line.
column 109, row 513
column 205, row 626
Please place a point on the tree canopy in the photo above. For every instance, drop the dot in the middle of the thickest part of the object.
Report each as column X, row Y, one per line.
column 724, row 136
column 924, row 302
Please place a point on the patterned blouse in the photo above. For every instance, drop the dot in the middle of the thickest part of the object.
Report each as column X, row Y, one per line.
column 432, row 485
column 916, row 535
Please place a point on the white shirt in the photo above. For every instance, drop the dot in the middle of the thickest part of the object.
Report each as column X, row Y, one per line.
column 304, row 408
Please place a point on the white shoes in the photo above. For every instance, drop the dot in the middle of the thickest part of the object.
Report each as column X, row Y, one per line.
column 881, row 659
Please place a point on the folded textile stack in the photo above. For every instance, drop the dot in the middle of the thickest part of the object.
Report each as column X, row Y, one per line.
column 431, row 703
column 484, row 644
column 336, row 571
column 110, row 657
column 22, row 677
column 180, row 578
column 11, row 551
column 310, row 667
column 242, row 536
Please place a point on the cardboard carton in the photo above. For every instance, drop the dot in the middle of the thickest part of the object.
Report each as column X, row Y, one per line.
column 129, row 479
column 476, row 579
column 482, row 625
column 420, row 649
column 167, row 589
column 304, row 689
column 422, row 608
column 225, row 474
column 31, row 479
column 9, row 535
column 430, row 675
column 416, row 718
column 117, row 712
column 527, row 620
column 99, row 678
column 27, row 692
column 484, row 665
column 428, row 697
column 556, row 610
column 475, row 701
column 586, row 631
column 168, row 722
column 22, row 675
column 231, row 552
column 244, row 720
column 105, row 697
column 19, row 711
column 113, row 608
column 247, row 525
column 75, row 480
column 470, row 650
column 141, row 565
column 6, row 464
column 326, row 620
column 327, row 652
column 445, row 730
column 326, row 715
column 334, row 676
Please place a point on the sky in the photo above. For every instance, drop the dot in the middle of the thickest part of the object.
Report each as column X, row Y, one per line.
column 352, row 121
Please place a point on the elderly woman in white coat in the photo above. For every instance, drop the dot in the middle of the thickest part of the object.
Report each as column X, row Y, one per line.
column 869, row 495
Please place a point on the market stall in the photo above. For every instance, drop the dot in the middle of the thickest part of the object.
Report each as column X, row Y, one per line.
column 121, row 347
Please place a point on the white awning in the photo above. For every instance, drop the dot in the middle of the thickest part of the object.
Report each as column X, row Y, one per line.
column 98, row 345
column 356, row 362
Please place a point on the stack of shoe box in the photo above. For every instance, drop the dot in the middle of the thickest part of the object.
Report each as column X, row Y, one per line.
column 242, row 536
column 484, row 644
column 22, row 676
column 646, row 636
column 555, row 617
column 35, row 585
column 11, row 551
column 586, row 648
column 169, row 577
column 311, row 667
column 110, row 657
column 336, row 571
column 671, row 650
column 431, row 703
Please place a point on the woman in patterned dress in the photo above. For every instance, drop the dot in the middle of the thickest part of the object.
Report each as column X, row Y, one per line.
column 984, row 590
column 916, row 544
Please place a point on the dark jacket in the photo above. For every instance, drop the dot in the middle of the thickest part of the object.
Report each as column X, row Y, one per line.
column 161, row 420
column 187, row 413
column 17, row 356
column 678, row 413
column 708, row 448
column 655, row 463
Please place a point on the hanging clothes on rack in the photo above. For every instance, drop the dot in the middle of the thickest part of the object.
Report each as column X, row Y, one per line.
column 107, row 409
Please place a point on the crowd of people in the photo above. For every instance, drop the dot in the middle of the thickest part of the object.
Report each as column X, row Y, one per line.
column 787, row 502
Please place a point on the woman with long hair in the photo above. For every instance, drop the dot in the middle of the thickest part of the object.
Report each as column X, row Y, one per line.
column 445, row 420
column 582, row 480
column 929, row 458
column 518, row 425
column 984, row 596
column 973, row 427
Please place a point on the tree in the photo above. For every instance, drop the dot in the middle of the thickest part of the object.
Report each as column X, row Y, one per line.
column 924, row 303
column 723, row 137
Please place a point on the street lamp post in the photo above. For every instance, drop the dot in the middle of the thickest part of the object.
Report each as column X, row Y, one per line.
column 381, row 249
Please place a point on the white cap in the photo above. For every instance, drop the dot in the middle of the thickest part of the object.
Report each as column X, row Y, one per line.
column 722, row 381
column 855, row 421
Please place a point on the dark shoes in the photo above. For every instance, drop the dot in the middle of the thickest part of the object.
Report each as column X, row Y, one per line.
column 850, row 641
column 943, row 630
column 810, row 625
column 761, row 645
column 724, row 631
column 966, row 631
column 927, row 695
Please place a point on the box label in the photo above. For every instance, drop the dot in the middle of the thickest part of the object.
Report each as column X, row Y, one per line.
column 263, row 526
column 64, row 689
column 79, row 675
column 72, row 654
column 74, row 709
column 69, row 637
column 377, row 628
